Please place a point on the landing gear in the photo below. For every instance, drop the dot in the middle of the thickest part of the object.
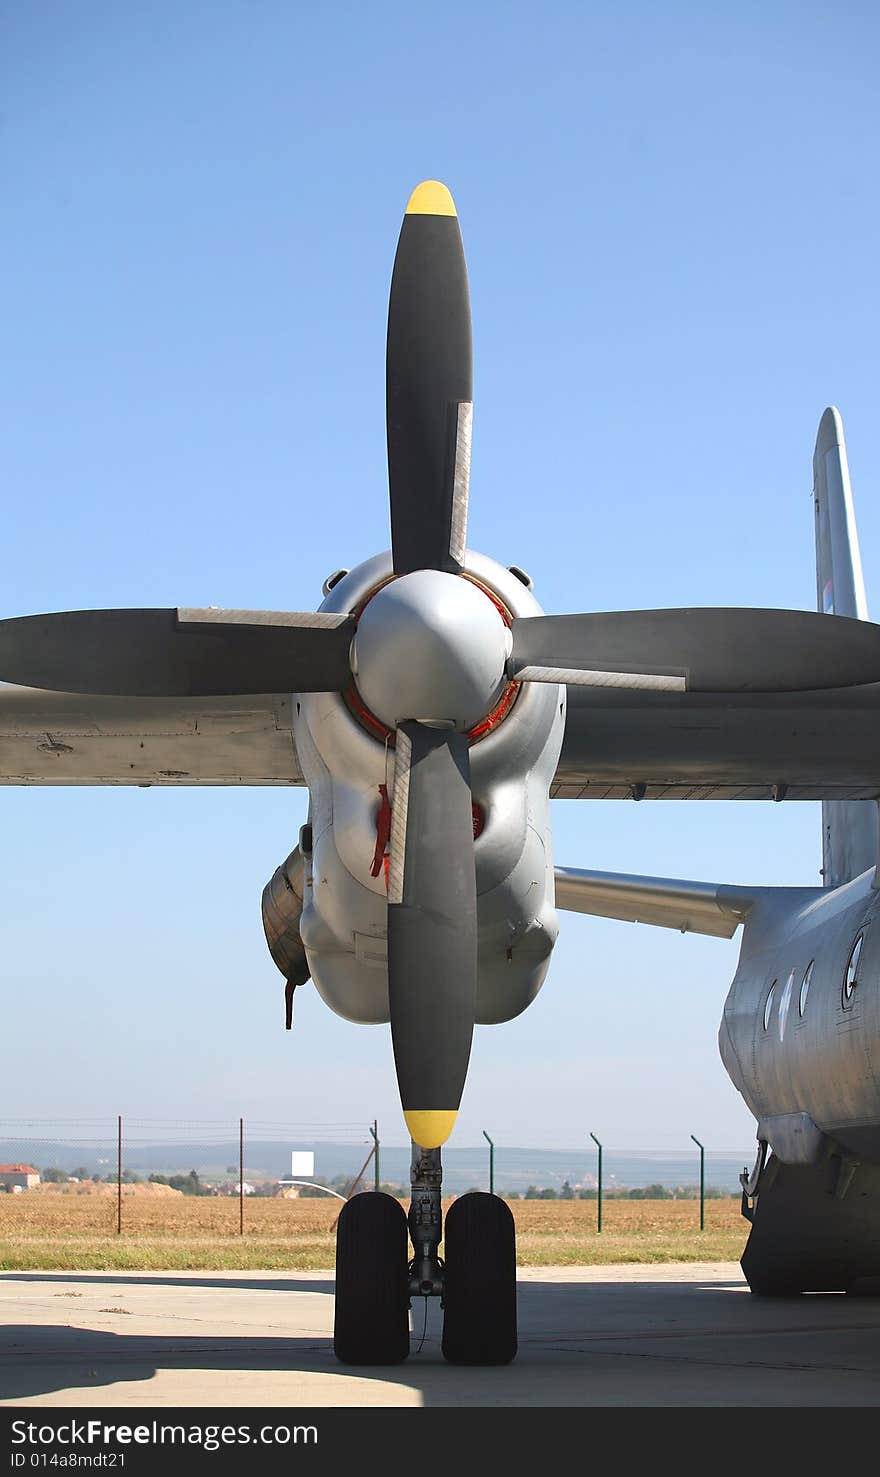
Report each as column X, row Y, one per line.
column 476, row 1283
column 815, row 1228
column 372, row 1293
column 479, row 1319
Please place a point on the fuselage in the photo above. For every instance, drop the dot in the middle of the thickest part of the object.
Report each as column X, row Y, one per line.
column 800, row 1035
column 348, row 762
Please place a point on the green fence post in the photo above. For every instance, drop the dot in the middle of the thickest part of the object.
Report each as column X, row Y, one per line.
column 702, row 1182
column 599, row 1198
column 491, row 1162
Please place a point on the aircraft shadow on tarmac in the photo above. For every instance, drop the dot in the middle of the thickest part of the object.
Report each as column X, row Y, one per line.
column 706, row 1331
column 110, row 1280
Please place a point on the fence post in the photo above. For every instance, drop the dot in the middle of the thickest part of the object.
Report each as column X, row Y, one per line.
column 119, row 1176
column 702, row 1182
column 241, row 1176
column 599, row 1197
column 374, row 1134
column 491, row 1162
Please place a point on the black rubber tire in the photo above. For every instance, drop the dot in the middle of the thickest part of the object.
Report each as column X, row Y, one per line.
column 371, row 1324
column 479, row 1300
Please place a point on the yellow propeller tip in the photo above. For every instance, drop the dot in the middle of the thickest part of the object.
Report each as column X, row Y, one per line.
column 429, row 1130
column 430, row 198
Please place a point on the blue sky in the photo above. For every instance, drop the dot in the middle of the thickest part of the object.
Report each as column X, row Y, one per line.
column 671, row 223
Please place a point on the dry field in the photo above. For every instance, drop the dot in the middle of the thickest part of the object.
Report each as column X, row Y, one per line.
column 69, row 1232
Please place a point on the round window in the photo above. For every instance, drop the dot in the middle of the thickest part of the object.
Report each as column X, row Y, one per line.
column 768, row 1004
column 805, row 987
column 850, row 979
column 785, row 1002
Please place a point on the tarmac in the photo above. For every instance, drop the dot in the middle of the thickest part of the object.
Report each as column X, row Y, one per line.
column 665, row 1335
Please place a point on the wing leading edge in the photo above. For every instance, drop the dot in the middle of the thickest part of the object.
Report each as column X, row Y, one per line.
column 59, row 738
column 691, row 907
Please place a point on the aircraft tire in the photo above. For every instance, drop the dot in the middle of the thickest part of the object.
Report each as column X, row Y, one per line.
column 371, row 1322
column 479, row 1300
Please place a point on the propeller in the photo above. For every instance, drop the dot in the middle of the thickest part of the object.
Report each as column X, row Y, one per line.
column 178, row 653
column 429, row 387
column 697, row 650
column 432, row 927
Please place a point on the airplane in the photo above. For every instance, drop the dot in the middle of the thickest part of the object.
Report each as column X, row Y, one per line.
column 433, row 710
column 800, row 1033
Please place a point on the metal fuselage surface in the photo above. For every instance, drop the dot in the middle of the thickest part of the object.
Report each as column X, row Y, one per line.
column 346, row 759
column 806, row 1056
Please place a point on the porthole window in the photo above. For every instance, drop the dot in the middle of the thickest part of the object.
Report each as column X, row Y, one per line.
column 768, row 1005
column 785, row 1002
column 850, row 979
column 805, row 987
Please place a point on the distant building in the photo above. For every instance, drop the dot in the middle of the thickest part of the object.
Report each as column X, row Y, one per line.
column 19, row 1176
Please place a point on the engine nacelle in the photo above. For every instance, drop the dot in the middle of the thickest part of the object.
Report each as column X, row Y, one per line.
column 282, row 910
column 347, row 763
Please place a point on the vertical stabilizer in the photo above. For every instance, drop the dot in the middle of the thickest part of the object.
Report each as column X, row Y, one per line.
column 849, row 827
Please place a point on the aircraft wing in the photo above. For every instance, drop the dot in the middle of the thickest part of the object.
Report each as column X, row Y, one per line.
column 707, row 746
column 691, row 907
column 58, row 738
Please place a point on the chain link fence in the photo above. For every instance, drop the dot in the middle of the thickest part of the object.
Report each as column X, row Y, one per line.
column 122, row 1174
column 125, row 1173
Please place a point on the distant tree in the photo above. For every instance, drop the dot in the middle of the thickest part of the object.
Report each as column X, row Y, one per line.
column 548, row 1194
column 512, row 1195
column 190, row 1184
column 566, row 1193
column 80, row 1174
column 52, row 1175
column 532, row 1193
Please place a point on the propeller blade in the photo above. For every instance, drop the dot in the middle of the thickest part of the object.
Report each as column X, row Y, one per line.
column 697, row 650
column 178, row 653
column 429, row 387
column 432, row 927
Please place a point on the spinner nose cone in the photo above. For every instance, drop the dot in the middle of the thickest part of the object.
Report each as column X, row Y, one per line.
column 431, row 647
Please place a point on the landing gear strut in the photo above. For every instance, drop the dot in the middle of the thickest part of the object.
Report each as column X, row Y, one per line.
column 425, row 1219
column 476, row 1282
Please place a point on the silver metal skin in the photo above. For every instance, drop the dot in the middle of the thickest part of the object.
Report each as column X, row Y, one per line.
column 344, row 916
column 691, row 907
column 431, row 647
column 849, row 829
column 811, row 1072
column 282, row 908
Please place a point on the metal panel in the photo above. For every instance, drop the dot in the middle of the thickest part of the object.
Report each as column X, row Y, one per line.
column 57, row 738
column 805, row 746
column 691, row 907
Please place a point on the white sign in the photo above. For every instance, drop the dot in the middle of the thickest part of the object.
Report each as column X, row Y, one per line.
column 302, row 1164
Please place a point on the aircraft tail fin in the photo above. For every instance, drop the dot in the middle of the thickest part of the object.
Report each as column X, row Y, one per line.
column 849, row 827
